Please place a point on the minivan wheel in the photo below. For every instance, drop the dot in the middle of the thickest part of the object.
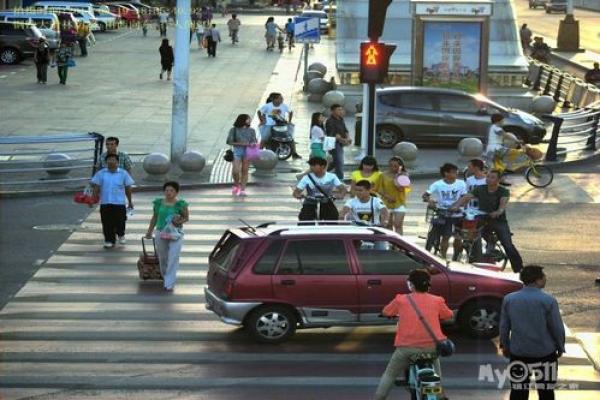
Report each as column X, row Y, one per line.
column 9, row 55
column 481, row 319
column 271, row 324
column 388, row 136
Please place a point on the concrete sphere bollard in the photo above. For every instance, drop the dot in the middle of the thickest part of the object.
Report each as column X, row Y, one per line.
column 265, row 164
column 317, row 66
column 470, row 147
column 318, row 86
column 333, row 97
column 156, row 165
column 407, row 151
column 310, row 75
column 192, row 162
column 543, row 105
column 56, row 160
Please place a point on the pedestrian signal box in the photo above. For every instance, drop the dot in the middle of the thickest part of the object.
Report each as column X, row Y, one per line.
column 374, row 61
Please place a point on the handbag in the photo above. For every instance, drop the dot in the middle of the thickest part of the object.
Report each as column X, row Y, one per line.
column 328, row 143
column 253, row 152
column 228, row 156
column 170, row 231
column 444, row 348
column 86, row 196
column 71, row 63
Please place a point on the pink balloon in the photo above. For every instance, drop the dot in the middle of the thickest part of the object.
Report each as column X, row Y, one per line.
column 402, row 180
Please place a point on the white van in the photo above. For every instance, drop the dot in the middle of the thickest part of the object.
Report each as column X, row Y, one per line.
column 81, row 11
column 45, row 20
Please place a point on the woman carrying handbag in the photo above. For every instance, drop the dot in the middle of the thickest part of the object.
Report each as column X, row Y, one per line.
column 170, row 213
column 244, row 144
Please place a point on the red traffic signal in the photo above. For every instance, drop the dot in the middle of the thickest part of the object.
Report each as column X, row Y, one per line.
column 374, row 61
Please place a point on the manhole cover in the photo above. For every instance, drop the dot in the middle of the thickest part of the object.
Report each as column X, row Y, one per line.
column 58, row 227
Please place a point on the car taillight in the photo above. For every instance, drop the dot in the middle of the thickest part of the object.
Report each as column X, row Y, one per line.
column 229, row 289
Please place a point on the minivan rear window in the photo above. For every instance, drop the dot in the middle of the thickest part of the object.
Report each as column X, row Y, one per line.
column 225, row 251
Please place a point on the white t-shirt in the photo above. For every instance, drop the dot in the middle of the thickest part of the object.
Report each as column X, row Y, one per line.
column 112, row 185
column 316, row 134
column 269, row 109
column 163, row 17
column 494, row 141
column 367, row 212
column 327, row 183
column 471, row 182
column 447, row 194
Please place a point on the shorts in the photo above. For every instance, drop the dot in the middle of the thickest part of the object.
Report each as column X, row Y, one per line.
column 398, row 210
column 450, row 226
column 167, row 67
column 239, row 152
column 265, row 133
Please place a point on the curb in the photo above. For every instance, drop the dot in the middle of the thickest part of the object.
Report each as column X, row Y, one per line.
column 595, row 362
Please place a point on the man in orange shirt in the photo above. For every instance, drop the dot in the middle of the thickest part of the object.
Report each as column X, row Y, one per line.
column 411, row 335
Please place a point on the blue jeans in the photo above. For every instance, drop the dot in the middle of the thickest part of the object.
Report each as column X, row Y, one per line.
column 338, row 160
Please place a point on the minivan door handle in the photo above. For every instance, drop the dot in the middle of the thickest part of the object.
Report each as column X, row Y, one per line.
column 374, row 282
column 288, row 282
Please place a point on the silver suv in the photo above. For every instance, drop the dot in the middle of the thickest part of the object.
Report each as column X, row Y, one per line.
column 433, row 116
column 17, row 41
column 555, row 5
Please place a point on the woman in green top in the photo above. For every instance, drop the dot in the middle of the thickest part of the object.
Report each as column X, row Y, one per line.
column 170, row 208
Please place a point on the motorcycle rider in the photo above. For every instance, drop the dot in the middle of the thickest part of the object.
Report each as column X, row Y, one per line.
column 411, row 335
column 320, row 186
column 274, row 109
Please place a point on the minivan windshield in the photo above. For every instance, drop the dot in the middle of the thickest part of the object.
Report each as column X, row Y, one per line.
column 225, row 251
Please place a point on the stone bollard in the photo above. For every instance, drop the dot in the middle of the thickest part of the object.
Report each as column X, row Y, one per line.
column 317, row 66
column 317, row 88
column 264, row 165
column 543, row 105
column 333, row 97
column 156, row 165
column 192, row 162
column 470, row 148
column 56, row 160
column 407, row 151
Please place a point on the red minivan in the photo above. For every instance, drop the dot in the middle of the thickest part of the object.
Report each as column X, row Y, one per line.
column 274, row 279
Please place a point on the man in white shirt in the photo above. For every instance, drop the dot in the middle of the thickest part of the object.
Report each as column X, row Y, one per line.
column 320, row 186
column 163, row 18
column 443, row 194
column 364, row 207
column 477, row 177
column 275, row 109
column 113, row 186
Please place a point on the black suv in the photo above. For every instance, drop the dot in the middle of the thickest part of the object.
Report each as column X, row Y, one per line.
column 17, row 41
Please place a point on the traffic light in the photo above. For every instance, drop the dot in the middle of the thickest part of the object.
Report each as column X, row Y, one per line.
column 377, row 11
column 375, row 61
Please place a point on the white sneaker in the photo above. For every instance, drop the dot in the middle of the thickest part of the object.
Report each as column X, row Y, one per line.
column 122, row 240
column 108, row 245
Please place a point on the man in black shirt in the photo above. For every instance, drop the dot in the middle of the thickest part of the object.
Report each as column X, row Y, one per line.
column 493, row 200
column 335, row 127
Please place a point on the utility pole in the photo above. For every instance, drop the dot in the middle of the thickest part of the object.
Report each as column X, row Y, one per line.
column 179, row 118
column 568, row 31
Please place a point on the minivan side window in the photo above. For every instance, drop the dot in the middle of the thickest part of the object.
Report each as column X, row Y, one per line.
column 314, row 257
column 382, row 257
column 266, row 264
column 417, row 101
column 456, row 103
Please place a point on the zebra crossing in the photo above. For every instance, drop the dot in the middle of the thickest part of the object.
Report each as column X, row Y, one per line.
column 85, row 326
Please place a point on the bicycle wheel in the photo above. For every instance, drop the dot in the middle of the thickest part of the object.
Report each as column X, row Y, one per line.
column 500, row 257
column 539, row 176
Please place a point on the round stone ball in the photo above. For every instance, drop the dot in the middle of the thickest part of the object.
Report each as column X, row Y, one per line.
column 406, row 150
column 267, row 160
column 192, row 161
column 543, row 105
column 333, row 97
column 310, row 75
column 318, row 86
column 470, row 147
column 156, row 164
column 317, row 66
column 56, row 160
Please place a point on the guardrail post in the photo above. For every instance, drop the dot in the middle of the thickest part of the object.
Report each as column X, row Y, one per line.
column 559, row 87
column 98, row 145
column 551, row 152
column 538, row 80
column 548, row 83
column 591, row 143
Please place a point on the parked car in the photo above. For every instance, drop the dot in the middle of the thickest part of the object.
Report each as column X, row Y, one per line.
column 555, row 5
column 40, row 19
column 274, row 279
column 17, row 41
column 52, row 37
column 322, row 15
column 537, row 3
column 127, row 14
column 106, row 20
column 333, row 13
column 429, row 115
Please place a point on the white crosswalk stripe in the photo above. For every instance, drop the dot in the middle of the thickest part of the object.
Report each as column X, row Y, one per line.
column 86, row 321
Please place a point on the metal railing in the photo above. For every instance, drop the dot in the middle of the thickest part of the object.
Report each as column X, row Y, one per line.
column 33, row 160
column 564, row 88
column 573, row 131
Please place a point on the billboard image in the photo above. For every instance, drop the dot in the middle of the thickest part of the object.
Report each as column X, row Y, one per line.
column 452, row 55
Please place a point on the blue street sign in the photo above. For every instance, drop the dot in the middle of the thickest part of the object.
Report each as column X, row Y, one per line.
column 306, row 30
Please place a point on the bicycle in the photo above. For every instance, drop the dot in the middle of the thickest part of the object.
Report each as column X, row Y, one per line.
column 436, row 218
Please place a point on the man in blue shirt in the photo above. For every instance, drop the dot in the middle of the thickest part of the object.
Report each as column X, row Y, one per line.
column 113, row 185
column 532, row 335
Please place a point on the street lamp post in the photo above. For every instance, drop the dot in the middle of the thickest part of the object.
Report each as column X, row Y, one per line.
column 568, row 31
column 179, row 118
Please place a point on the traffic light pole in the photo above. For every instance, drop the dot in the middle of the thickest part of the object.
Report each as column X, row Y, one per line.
column 371, row 120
